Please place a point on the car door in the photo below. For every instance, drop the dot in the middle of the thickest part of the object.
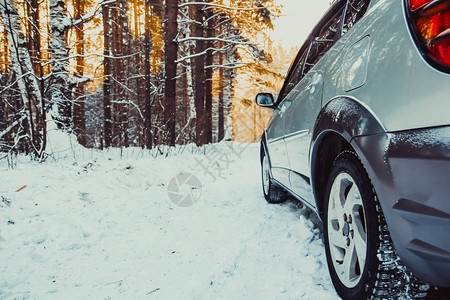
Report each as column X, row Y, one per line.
column 276, row 130
column 276, row 145
column 306, row 106
column 299, row 123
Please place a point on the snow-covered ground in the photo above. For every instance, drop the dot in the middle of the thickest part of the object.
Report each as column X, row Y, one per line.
column 103, row 225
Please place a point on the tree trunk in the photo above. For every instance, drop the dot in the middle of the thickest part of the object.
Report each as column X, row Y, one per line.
column 148, row 97
column 125, row 72
column 140, row 80
column 199, row 77
column 186, row 50
column 208, row 76
column 221, row 125
column 107, row 125
column 4, row 68
column 27, row 84
column 228, row 77
column 34, row 36
column 59, row 82
column 79, row 110
column 170, row 56
column 119, row 73
column 117, row 90
column 36, row 60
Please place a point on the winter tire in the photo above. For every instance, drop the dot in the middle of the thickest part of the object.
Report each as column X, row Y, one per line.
column 272, row 192
column 355, row 232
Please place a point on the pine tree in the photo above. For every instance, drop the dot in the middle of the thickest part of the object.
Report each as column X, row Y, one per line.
column 107, row 66
column 170, row 55
column 79, row 110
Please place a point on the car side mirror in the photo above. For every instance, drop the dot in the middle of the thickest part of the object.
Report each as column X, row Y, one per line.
column 265, row 100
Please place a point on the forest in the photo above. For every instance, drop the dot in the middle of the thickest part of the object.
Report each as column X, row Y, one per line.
column 135, row 73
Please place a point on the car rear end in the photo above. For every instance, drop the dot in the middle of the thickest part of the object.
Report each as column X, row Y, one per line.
column 408, row 89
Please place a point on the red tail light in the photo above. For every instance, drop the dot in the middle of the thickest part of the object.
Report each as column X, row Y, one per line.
column 441, row 50
column 415, row 4
column 430, row 22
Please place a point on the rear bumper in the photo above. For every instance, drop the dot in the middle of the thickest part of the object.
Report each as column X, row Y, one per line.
column 410, row 172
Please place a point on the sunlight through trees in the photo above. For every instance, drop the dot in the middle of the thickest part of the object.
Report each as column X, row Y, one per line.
column 119, row 73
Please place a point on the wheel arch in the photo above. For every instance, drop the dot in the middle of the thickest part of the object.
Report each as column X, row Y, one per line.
column 339, row 121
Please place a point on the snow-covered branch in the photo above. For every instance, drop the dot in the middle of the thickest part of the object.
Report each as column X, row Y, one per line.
column 221, row 6
column 87, row 17
column 10, row 127
column 227, row 66
column 214, row 39
column 182, row 59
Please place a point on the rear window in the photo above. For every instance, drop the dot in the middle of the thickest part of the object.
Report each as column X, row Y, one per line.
column 347, row 14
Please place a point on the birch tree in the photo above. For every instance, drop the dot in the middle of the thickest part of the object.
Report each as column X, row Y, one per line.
column 60, row 81
column 29, row 123
column 186, row 133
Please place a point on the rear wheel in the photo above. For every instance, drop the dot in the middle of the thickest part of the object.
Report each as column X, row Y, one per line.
column 272, row 192
column 361, row 259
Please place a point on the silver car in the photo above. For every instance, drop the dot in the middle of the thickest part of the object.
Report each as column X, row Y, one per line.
column 361, row 133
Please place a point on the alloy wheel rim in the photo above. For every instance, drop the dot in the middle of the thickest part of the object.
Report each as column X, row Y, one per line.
column 347, row 230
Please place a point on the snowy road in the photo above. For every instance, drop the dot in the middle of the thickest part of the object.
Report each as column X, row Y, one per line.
column 105, row 228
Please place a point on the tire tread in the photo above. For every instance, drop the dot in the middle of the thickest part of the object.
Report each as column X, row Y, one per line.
column 392, row 278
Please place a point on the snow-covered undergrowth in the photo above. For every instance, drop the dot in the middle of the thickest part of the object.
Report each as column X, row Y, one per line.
column 102, row 225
